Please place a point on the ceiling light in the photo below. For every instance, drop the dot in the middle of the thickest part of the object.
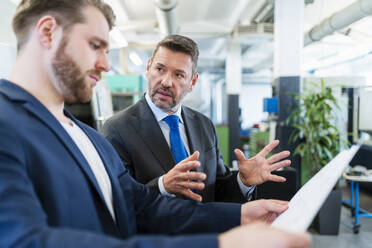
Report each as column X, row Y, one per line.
column 119, row 38
column 133, row 56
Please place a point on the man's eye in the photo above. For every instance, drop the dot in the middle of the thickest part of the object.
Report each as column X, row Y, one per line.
column 159, row 69
column 179, row 75
column 94, row 46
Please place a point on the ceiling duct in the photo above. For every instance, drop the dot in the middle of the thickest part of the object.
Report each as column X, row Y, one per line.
column 339, row 20
column 265, row 13
column 336, row 21
column 256, row 29
column 165, row 13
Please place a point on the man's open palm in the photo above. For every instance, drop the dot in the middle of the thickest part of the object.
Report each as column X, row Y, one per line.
column 257, row 170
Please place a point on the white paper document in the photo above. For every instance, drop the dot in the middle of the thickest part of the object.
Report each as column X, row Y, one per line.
column 308, row 200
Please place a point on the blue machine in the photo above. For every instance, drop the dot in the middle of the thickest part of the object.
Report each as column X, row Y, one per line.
column 270, row 105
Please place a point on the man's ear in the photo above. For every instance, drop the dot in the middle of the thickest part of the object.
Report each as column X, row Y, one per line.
column 193, row 81
column 148, row 68
column 46, row 30
column 148, row 64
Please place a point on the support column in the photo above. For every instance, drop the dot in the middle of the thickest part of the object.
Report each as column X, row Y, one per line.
column 288, row 44
column 233, row 88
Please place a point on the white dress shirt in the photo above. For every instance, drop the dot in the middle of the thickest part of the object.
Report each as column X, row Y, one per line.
column 160, row 115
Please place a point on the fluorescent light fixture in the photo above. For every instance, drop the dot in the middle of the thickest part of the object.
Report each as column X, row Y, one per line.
column 133, row 56
column 339, row 56
column 118, row 37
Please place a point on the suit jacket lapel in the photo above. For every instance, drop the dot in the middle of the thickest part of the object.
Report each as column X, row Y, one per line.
column 52, row 123
column 32, row 105
column 117, row 194
column 192, row 131
column 195, row 138
column 147, row 127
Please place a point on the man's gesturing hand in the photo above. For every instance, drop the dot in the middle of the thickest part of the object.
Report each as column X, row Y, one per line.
column 261, row 235
column 258, row 169
column 262, row 210
column 180, row 180
column 255, row 232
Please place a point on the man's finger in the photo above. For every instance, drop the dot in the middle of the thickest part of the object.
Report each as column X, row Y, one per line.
column 279, row 156
column 267, row 149
column 280, row 164
column 192, row 157
column 273, row 206
column 281, row 202
column 192, row 185
column 193, row 176
column 239, row 154
column 278, row 179
column 188, row 193
column 186, row 166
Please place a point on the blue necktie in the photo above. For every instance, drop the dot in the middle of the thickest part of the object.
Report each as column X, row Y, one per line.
column 178, row 148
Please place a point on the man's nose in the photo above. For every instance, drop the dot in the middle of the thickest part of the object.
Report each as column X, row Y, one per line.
column 167, row 80
column 102, row 63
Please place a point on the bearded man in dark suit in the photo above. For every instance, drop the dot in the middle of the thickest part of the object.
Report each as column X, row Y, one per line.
column 143, row 138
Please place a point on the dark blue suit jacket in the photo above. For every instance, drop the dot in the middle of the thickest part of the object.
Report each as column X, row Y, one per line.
column 49, row 196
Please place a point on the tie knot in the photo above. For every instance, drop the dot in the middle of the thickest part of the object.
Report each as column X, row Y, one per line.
column 172, row 121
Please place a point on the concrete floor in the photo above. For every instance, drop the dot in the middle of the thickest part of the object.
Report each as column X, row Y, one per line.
column 346, row 237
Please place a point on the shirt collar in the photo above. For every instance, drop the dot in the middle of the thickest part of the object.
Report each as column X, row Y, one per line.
column 159, row 113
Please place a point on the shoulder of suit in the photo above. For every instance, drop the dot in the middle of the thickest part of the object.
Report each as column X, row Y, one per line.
column 15, row 113
column 125, row 113
column 197, row 114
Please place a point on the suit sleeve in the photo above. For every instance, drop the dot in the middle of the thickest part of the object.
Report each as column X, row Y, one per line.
column 157, row 214
column 227, row 187
column 113, row 136
column 160, row 214
column 23, row 222
column 154, row 185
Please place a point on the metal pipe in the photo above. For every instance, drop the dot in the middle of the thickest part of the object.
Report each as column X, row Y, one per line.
column 339, row 20
column 165, row 13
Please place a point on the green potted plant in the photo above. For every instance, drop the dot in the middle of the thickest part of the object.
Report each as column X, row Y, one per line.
column 313, row 122
column 319, row 141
